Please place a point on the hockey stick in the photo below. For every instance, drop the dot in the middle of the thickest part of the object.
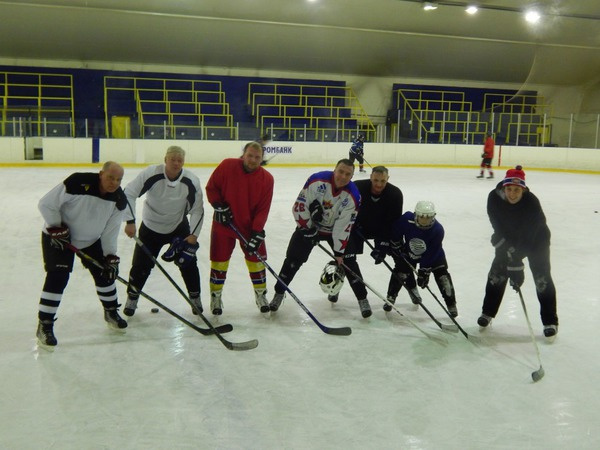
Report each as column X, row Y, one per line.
column 437, row 339
column 364, row 160
column 248, row 345
column 268, row 160
column 538, row 374
column 465, row 334
column 443, row 326
column 202, row 331
column 343, row 331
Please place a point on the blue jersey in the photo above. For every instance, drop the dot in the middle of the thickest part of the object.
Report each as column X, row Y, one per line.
column 423, row 246
column 357, row 147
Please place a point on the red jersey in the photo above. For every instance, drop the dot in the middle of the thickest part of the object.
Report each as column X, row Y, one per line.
column 488, row 148
column 248, row 195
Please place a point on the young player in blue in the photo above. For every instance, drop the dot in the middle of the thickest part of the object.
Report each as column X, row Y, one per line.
column 418, row 237
column 357, row 151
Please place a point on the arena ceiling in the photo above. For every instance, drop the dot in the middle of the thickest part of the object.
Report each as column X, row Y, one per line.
column 383, row 38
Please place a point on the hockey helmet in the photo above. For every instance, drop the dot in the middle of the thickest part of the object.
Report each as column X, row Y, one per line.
column 332, row 278
column 424, row 214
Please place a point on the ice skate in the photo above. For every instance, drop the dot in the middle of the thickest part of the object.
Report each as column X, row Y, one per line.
column 113, row 320
column 415, row 297
column 365, row 308
column 216, row 304
column 484, row 320
column 452, row 309
column 45, row 335
column 197, row 305
column 261, row 300
column 550, row 332
column 130, row 306
column 276, row 302
column 392, row 300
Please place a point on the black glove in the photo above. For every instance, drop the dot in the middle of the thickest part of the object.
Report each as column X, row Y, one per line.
column 256, row 239
column 223, row 213
column 186, row 255
column 395, row 247
column 516, row 275
column 110, row 271
column 59, row 236
column 423, row 277
column 316, row 211
column 381, row 249
column 311, row 235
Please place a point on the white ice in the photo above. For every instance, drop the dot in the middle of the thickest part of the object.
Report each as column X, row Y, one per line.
column 387, row 386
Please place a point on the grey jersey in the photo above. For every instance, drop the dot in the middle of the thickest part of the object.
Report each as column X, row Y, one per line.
column 167, row 202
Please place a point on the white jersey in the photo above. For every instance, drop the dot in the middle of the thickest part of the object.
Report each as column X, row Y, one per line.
column 340, row 207
column 167, row 202
column 78, row 204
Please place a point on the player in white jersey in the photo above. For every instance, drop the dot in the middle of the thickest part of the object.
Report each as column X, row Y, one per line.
column 325, row 210
column 83, row 212
column 172, row 194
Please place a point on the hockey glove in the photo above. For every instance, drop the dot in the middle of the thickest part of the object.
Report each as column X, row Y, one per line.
column 187, row 255
column 255, row 241
column 173, row 250
column 311, row 235
column 110, row 271
column 223, row 214
column 381, row 249
column 59, row 236
column 395, row 247
column 516, row 275
column 316, row 211
column 423, row 278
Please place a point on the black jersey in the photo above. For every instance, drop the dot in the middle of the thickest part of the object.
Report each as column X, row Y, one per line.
column 377, row 213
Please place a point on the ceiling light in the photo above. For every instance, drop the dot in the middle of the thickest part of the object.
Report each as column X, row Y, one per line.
column 532, row 16
column 472, row 9
column 428, row 6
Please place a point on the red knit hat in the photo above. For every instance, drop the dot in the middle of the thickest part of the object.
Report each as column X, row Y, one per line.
column 515, row 177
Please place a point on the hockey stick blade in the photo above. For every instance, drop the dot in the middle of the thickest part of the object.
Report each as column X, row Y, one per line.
column 343, row 331
column 538, row 374
column 247, row 345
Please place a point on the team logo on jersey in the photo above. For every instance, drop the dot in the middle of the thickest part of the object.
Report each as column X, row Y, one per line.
column 321, row 189
column 345, row 202
column 327, row 204
column 417, row 246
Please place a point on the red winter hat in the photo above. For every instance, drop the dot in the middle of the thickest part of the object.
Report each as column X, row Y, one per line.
column 514, row 176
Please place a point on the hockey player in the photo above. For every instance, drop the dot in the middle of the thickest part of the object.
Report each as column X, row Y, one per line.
column 172, row 193
column 380, row 206
column 418, row 237
column 240, row 191
column 84, row 210
column 357, row 152
column 487, row 156
column 520, row 231
column 325, row 210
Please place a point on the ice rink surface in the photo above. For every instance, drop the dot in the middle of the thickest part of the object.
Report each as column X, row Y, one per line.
column 388, row 385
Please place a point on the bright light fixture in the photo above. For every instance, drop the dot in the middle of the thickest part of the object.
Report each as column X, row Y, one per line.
column 532, row 16
column 472, row 9
column 428, row 6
